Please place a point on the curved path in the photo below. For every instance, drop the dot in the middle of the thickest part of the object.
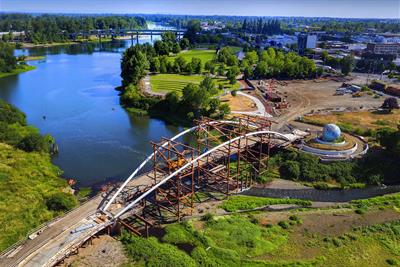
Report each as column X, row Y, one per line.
column 260, row 107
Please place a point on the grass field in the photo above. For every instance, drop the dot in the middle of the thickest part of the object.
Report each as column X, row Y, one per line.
column 23, row 68
column 358, row 122
column 165, row 83
column 203, row 55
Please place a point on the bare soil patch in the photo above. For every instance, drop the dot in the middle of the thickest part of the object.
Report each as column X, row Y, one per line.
column 105, row 251
column 239, row 103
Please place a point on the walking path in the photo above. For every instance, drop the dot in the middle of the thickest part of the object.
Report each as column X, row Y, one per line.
column 260, row 107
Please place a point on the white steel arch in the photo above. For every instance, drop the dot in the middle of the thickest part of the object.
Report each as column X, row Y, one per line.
column 152, row 155
column 282, row 136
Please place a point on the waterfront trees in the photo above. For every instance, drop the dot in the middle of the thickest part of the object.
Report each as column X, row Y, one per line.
column 61, row 28
column 134, row 64
column 7, row 60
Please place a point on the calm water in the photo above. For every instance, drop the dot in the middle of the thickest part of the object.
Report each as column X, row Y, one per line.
column 75, row 89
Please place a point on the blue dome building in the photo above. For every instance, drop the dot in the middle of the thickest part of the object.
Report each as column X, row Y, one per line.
column 331, row 133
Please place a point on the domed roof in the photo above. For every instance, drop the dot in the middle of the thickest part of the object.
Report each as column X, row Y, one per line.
column 331, row 132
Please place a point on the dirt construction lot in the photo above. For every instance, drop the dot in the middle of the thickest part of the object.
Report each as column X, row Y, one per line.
column 305, row 96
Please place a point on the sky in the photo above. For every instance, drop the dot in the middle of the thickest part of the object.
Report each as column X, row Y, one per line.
column 306, row 8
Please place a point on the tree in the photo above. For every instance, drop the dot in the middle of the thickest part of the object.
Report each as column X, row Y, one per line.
column 162, row 48
column 184, row 43
column 221, row 70
column 210, row 67
column 192, row 28
column 209, row 85
column 390, row 139
column 7, row 60
column 176, row 48
column 155, row 64
column 390, row 103
column 196, row 65
column 168, row 37
column 251, row 57
column 180, row 64
column 133, row 65
column 172, row 99
column 232, row 60
column 347, row 64
column 248, row 72
column 232, row 73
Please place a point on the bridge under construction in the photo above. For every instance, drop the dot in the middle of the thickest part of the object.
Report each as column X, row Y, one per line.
column 223, row 156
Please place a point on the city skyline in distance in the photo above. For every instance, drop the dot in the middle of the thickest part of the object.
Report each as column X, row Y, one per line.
column 303, row 8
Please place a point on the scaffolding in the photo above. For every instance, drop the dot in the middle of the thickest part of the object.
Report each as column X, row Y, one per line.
column 228, row 169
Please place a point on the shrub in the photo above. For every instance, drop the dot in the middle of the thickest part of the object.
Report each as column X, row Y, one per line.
column 360, row 211
column 33, row 142
column 284, row 224
column 337, row 242
column 290, row 170
column 61, row 202
column 391, row 262
column 233, row 92
column 207, row 217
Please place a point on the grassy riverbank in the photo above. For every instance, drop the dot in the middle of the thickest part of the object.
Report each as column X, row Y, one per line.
column 31, row 187
column 20, row 69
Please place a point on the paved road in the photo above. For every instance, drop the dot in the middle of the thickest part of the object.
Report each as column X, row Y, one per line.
column 35, row 252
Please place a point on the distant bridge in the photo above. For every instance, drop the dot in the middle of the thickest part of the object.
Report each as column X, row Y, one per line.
column 111, row 33
column 179, row 171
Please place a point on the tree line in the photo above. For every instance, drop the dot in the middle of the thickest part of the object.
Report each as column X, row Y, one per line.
column 59, row 28
column 260, row 26
column 272, row 63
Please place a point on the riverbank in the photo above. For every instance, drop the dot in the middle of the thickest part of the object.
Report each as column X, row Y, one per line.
column 33, row 191
column 20, row 69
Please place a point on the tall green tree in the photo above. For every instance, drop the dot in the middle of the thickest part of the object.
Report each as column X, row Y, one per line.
column 134, row 64
column 347, row 64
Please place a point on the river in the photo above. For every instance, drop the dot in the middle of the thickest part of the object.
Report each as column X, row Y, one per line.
column 74, row 88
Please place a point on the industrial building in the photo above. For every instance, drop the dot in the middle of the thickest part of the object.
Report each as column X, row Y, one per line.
column 306, row 41
column 384, row 48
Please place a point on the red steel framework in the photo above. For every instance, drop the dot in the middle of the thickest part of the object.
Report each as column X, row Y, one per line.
column 228, row 169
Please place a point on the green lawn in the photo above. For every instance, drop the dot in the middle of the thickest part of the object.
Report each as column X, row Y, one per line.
column 17, row 71
column 203, row 55
column 174, row 82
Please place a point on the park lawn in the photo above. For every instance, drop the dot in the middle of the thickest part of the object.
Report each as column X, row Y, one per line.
column 203, row 55
column 165, row 83
column 20, row 69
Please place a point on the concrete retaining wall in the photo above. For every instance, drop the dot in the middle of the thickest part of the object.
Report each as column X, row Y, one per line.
column 322, row 195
